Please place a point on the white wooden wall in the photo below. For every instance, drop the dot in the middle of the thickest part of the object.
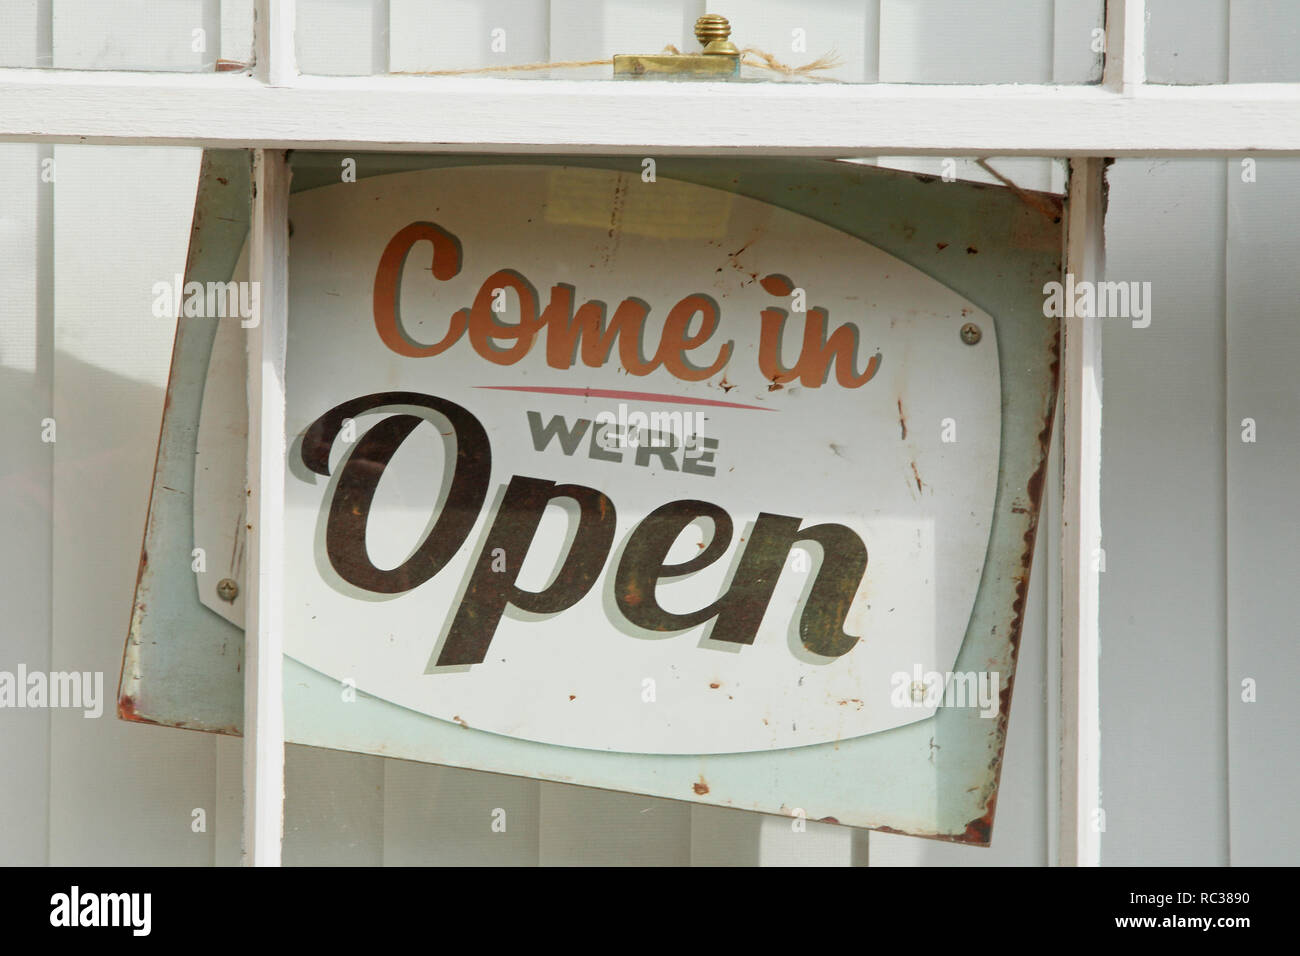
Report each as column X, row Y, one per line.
column 1201, row 531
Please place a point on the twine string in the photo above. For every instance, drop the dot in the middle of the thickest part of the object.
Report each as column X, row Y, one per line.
column 750, row 56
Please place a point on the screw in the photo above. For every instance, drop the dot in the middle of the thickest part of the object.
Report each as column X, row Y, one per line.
column 227, row 589
column 970, row 333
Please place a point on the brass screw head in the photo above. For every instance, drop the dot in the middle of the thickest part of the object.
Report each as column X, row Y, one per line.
column 713, row 31
column 227, row 589
column 970, row 333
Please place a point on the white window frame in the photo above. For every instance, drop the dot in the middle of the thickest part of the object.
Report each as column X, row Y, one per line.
column 274, row 108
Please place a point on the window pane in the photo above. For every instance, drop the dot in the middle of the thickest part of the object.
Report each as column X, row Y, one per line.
column 187, row 36
column 868, row 41
column 1223, row 41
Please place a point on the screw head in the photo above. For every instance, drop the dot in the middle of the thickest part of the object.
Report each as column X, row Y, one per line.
column 713, row 32
column 227, row 589
column 711, row 26
column 970, row 333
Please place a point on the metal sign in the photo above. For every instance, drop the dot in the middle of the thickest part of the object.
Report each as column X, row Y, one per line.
column 709, row 485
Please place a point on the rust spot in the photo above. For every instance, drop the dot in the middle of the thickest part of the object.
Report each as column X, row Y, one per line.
column 977, row 833
column 971, row 251
column 460, row 720
column 902, row 419
column 917, row 475
column 980, row 830
column 701, row 788
column 126, row 710
column 941, row 246
column 827, row 820
column 633, row 595
column 715, row 685
column 573, row 697
column 733, row 256
column 923, row 178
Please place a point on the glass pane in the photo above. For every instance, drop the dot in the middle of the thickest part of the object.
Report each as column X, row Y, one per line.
column 1223, row 41
column 185, row 36
column 897, row 41
column 87, row 233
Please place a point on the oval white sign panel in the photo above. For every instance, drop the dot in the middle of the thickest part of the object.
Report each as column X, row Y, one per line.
column 624, row 465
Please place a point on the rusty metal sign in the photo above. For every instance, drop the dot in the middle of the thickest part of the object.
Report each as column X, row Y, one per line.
column 718, row 485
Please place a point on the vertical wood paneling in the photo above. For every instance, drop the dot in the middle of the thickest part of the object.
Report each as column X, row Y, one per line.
column 1265, row 39
column 343, row 37
column 1164, row 790
column 459, row 34
column 1263, row 497
column 237, row 30
column 120, row 793
column 1164, row 769
column 1187, row 41
column 847, row 30
column 782, row 843
column 595, row 29
column 721, row 837
column 333, row 808
column 26, row 469
column 440, row 816
column 955, row 41
column 26, row 396
column 227, row 819
column 136, row 34
column 1263, row 508
column 25, row 33
column 1073, row 58
column 585, row 827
